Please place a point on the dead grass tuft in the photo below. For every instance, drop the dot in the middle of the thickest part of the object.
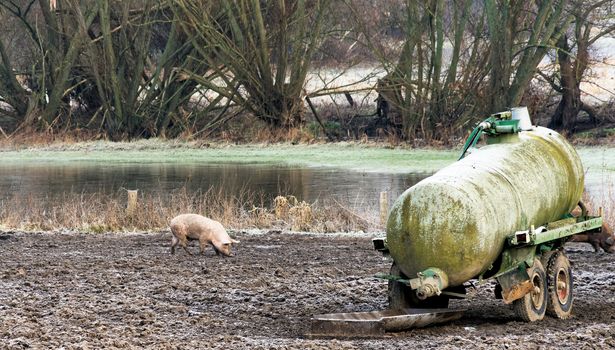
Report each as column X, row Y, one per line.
column 604, row 200
column 29, row 137
column 301, row 217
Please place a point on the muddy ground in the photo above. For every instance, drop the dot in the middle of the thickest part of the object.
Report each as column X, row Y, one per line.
column 127, row 291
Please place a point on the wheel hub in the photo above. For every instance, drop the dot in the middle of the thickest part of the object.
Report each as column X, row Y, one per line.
column 562, row 286
column 537, row 295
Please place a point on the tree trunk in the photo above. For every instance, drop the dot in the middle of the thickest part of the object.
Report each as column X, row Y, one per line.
column 13, row 93
column 569, row 106
column 500, row 58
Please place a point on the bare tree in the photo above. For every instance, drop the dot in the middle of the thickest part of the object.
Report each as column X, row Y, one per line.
column 57, row 45
column 98, row 54
column 521, row 33
column 465, row 58
column 427, row 85
column 592, row 21
column 259, row 51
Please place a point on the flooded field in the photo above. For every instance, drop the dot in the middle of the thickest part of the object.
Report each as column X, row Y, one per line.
column 349, row 174
column 126, row 291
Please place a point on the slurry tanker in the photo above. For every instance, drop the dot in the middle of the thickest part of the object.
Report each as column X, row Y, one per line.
column 503, row 211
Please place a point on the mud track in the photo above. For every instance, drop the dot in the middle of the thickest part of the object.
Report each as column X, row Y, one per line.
column 127, row 291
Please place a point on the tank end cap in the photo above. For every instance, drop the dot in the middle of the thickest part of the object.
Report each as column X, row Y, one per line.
column 429, row 283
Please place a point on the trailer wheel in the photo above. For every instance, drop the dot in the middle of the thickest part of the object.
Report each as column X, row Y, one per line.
column 401, row 296
column 532, row 306
column 560, row 286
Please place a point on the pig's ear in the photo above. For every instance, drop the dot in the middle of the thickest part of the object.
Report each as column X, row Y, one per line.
column 234, row 241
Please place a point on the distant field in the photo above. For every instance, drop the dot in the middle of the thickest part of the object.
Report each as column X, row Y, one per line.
column 599, row 161
column 340, row 155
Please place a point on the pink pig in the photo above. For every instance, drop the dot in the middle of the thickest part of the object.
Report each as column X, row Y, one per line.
column 192, row 227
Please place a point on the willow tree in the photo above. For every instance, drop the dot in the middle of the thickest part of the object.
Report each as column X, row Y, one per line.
column 11, row 91
column 432, row 91
column 259, row 51
column 520, row 35
column 135, row 63
column 592, row 20
column 495, row 48
column 56, row 46
column 137, row 94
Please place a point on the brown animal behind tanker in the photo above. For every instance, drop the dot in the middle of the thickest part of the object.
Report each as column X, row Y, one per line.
column 194, row 227
column 603, row 239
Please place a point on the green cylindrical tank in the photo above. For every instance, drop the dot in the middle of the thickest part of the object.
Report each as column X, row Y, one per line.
column 457, row 220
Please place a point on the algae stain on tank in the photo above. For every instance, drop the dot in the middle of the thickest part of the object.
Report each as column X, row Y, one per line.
column 457, row 220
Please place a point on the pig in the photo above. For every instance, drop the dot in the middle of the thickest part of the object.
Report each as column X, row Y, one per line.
column 193, row 227
column 603, row 239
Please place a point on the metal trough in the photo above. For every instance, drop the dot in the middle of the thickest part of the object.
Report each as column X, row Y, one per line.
column 377, row 323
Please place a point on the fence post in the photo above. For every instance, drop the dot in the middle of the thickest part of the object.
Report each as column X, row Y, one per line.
column 131, row 206
column 384, row 207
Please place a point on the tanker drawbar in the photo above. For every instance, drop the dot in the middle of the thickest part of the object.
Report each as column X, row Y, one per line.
column 502, row 211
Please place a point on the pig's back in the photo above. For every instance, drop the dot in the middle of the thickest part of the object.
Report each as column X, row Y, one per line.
column 196, row 224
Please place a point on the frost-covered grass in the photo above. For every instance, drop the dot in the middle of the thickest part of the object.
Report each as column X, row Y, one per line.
column 599, row 161
column 351, row 156
column 599, row 164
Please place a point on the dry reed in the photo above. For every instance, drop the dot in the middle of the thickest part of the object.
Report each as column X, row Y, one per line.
column 97, row 212
column 605, row 200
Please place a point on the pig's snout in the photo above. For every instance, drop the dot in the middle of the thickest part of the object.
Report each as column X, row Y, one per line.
column 224, row 249
column 227, row 253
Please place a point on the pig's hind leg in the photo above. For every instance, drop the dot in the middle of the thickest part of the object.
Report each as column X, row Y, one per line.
column 184, row 244
column 174, row 243
column 180, row 235
column 596, row 244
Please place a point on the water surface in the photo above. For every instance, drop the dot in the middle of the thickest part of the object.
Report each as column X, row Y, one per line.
column 309, row 184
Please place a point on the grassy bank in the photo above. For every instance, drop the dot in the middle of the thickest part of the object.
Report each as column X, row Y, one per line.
column 598, row 160
column 356, row 156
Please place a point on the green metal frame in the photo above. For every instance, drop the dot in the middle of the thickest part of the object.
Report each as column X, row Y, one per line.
column 549, row 235
column 519, row 254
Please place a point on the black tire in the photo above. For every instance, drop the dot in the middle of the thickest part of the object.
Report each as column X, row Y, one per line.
column 533, row 306
column 401, row 296
column 545, row 257
column 560, row 286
